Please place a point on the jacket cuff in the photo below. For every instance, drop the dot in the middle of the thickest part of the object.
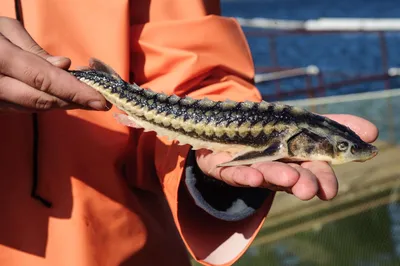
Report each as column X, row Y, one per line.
column 219, row 199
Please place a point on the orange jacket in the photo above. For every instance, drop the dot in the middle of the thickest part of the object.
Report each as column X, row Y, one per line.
column 117, row 193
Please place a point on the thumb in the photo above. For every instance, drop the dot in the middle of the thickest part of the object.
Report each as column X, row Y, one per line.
column 57, row 61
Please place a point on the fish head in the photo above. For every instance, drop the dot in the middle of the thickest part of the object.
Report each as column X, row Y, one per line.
column 334, row 146
column 352, row 150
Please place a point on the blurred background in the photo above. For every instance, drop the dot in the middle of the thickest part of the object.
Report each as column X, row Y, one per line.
column 328, row 56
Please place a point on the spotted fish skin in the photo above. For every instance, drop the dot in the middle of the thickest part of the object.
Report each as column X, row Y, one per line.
column 230, row 122
column 248, row 129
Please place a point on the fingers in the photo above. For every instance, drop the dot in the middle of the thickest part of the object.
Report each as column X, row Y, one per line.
column 240, row 176
column 304, row 181
column 277, row 175
column 365, row 129
column 327, row 181
column 41, row 75
column 234, row 176
column 20, row 94
column 307, row 185
column 273, row 175
column 24, row 60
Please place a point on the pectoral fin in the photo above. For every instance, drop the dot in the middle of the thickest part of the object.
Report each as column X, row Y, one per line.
column 126, row 120
column 274, row 152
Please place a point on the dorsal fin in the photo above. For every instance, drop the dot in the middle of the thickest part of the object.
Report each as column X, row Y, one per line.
column 99, row 65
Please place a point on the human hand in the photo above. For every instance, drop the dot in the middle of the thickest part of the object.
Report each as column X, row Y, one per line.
column 304, row 180
column 32, row 80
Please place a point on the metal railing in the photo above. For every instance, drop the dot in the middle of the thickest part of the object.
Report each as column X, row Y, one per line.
column 322, row 84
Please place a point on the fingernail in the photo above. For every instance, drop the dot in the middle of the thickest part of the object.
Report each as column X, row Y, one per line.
column 97, row 105
column 108, row 105
column 55, row 60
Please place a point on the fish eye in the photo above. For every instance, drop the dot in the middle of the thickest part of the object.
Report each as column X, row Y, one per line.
column 342, row 146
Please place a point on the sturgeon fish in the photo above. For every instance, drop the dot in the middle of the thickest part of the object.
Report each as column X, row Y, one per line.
column 251, row 131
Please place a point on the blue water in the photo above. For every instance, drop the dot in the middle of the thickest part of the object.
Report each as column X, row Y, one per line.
column 337, row 55
column 311, row 9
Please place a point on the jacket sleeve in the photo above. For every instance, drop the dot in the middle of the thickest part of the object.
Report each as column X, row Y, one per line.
column 186, row 48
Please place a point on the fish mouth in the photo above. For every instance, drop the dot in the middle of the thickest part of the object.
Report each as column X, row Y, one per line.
column 372, row 153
